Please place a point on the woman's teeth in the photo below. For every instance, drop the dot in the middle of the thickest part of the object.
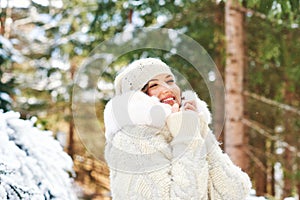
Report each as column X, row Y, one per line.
column 168, row 100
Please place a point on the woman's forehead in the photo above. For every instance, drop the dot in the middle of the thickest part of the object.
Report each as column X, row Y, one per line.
column 161, row 77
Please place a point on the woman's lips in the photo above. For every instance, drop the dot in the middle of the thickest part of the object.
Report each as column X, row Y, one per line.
column 169, row 100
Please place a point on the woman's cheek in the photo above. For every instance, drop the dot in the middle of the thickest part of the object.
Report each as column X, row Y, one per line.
column 152, row 92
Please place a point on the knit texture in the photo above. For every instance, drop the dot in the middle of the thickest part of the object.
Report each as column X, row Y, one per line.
column 138, row 73
column 177, row 159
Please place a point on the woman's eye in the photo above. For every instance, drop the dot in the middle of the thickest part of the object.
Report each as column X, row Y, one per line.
column 153, row 85
column 170, row 81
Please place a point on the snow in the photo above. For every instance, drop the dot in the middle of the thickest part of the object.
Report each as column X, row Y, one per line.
column 4, row 96
column 8, row 51
column 33, row 165
column 255, row 198
column 252, row 196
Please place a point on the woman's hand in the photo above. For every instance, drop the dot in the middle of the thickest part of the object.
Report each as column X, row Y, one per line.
column 188, row 105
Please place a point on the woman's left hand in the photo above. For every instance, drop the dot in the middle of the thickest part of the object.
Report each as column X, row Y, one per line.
column 190, row 105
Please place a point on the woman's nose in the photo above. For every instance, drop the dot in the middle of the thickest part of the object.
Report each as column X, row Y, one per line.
column 165, row 87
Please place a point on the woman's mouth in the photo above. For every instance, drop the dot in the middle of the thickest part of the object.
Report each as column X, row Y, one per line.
column 169, row 100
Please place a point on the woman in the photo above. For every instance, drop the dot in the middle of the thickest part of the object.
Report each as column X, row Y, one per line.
column 159, row 145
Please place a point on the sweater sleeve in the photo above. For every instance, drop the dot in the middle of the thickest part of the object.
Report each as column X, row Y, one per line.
column 227, row 181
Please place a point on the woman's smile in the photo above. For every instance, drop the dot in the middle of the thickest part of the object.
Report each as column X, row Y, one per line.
column 170, row 99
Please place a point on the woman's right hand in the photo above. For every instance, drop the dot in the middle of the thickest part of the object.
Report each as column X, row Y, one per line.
column 190, row 105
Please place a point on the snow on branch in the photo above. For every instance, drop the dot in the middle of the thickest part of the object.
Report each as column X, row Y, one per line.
column 33, row 165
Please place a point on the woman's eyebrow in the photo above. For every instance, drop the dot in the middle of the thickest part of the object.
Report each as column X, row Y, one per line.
column 153, row 80
column 168, row 76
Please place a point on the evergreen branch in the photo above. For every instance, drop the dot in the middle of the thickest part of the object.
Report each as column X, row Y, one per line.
column 14, row 188
column 5, row 170
column 268, row 134
column 265, row 131
column 261, row 152
column 249, row 11
column 272, row 102
column 259, row 163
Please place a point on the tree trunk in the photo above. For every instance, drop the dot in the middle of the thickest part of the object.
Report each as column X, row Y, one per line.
column 298, row 189
column 298, row 173
column 2, row 20
column 288, row 171
column 272, row 181
column 234, row 129
column 71, row 122
column 289, row 138
column 71, row 138
column 260, row 176
column 290, row 133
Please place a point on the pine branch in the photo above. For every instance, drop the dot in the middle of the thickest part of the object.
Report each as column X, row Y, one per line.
column 251, row 12
column 263, row 130
column 272, row 102
column 4, row 170
column 20, row 192
column 256, row 160
column 267, row 132
column 258, row 151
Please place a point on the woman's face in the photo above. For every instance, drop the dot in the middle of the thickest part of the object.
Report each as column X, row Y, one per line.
column 163, row 86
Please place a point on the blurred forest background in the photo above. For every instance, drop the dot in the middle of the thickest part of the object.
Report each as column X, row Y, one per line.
column 255, row 45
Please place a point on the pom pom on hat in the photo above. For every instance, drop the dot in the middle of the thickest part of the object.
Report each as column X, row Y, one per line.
column 138, row 73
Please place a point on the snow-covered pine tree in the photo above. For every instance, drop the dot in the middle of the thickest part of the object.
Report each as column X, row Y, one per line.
column 33, row 165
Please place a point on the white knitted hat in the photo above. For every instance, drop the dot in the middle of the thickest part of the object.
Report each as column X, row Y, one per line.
column 138, row 73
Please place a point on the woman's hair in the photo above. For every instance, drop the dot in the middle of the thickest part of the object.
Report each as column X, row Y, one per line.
column 145, row 88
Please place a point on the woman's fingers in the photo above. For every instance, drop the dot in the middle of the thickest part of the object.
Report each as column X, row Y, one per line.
column 190, row 105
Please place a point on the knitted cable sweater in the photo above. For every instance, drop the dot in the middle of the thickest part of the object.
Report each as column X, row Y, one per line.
column 156, row 154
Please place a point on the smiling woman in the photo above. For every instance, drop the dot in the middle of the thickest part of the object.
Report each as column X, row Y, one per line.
column 158, row 143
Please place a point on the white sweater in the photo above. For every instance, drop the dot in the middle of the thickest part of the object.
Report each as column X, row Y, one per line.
column 155, row 154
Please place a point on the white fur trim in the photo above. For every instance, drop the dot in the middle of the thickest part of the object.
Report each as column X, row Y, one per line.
column 134, row 108
column 137, row 108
